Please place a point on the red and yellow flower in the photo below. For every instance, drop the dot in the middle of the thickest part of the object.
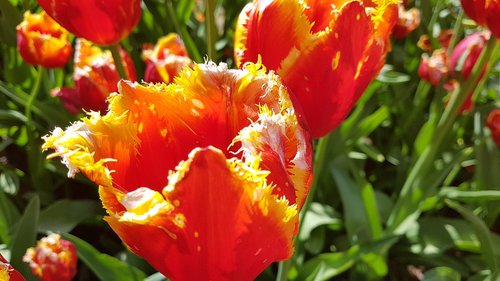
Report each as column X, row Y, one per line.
column 7, row 272
column 166, row 59
column 215, row 167
column 103, row 22
column 53, row 259
column 408, row 21
column 95, row 74
column 493, row 123
column 41, row 41
column 326, row 52
column 485, row 13
column 434, row 69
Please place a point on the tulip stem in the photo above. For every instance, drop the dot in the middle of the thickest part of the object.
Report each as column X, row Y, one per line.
column 33, row 150
column 211, row 29
column 115, row 52
column 413, row 192
column 457, row 28
column 319, row 163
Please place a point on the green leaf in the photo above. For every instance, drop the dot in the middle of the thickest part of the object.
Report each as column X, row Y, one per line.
column 8, row 216
column 482, row 233
column 441, row 274
column 25, row 237
column 184, row 10
column 326, row 266
column 319, row 215
column 156, row 277
column 389, row 76
column 9, row 182
column 64, row 215
column 105, row 267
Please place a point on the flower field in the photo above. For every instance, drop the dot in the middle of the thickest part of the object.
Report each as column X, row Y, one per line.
column 250, row 140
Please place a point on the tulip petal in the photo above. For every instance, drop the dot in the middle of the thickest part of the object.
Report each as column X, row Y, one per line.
column 226, row 223
column 327, row 89
column 257, row 26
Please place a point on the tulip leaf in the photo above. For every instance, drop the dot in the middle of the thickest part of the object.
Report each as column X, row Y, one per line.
column 64, row 215
column 441, row 274
column 24, row 237
column 317, row 216
column 105, row 267
column 8, row 216
column 184, row 10
column 156, row 277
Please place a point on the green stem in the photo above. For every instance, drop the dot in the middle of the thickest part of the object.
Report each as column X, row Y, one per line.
column 115, row 52
column 319, row 163
column 182, row 31
column 32, row 149
column 211, row 29
column 457, row 28
column 407, row 202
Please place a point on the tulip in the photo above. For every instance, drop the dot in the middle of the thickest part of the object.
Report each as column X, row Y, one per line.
column 96, row 76
column 464, row 57
column 43, row 42
column 203, row 177
column 166, row 59
column 485, row 13
column 69, row 97
column 434, row 69
column 326, row 54
column 103, row 22
column 7, row 272
column 408, row 21
column 443, row 38
column 493, row 123
column 53, row 259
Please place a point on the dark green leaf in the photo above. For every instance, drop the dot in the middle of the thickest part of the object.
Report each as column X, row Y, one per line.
column 64, row 215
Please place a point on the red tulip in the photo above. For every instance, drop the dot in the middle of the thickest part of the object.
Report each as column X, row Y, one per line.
column 69, row 97
column 7, row 272
column 53, row 259
column 103, row 22
column 434, row 69
column 214, row 167
column 443, row 38
column 464, row 57
column 493, row 123
column 326, row 52
column 166, row 59
column 485, row 13
column 408, row 21
column 96, row 76
column 41, row 41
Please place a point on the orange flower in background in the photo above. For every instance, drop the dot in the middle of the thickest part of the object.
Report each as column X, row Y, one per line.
column 464, row 57
column 493, row 123
column 443, row 38
column 215, row 167
column 41, row 41
column 485, row 13
column 327, row 52
column 103, row 22
column 166, row 59
column 408, row 21
column 7, row 272
column 53, row 259
column 95, row 74
column 434, row 69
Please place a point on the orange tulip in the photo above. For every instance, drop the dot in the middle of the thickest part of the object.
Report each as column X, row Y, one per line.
column 103, row 22
column 7, row 272
column 408, row 21
column 326, row 52
column 165, row 60
column 203, row 177
column 485, row 13
column 53, row 259
column 41, row 41
column 493, row 123
column 96, row 76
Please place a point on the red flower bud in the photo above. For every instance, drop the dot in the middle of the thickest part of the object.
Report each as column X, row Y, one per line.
column 53, row 259
column 434, row 69
column 408, row 21
column 103, row 22
column 493, row 123
column 41, row 41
